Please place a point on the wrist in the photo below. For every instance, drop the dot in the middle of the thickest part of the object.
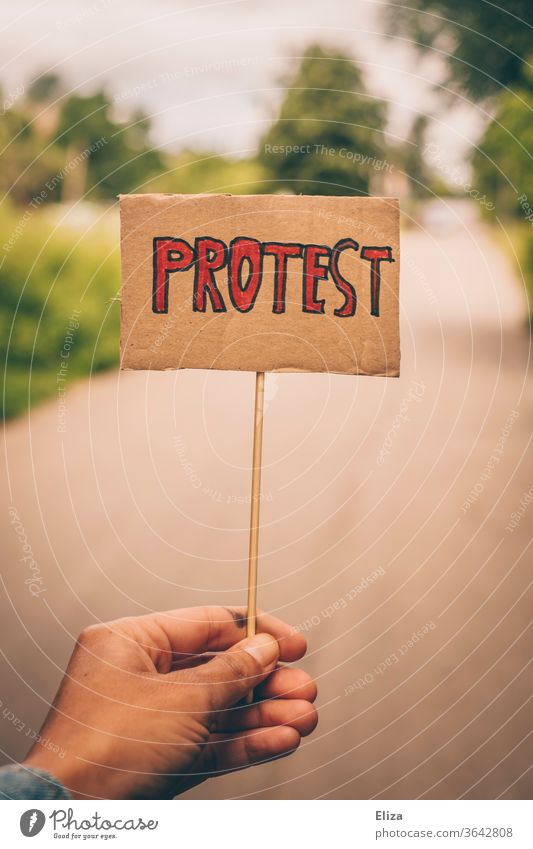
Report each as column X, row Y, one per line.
column 70, row 773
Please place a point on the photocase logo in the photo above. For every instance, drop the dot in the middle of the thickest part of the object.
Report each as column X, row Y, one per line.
column 32, row 822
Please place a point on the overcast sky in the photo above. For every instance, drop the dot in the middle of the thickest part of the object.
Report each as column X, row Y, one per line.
column 209, row 73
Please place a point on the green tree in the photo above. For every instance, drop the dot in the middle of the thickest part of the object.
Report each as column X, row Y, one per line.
column 410, row 158
column 26, row 161
column 485, row 44
column 57, row 146
column 45, row 88
column 328, row 131
column 503, row 160
column 503, row 169
column 102, row 156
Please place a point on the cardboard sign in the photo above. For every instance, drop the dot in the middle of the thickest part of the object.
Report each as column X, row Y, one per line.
column 260, row 283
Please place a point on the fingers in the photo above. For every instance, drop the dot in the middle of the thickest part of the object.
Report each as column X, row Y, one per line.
column 287, row 683
column 235, row 751
column 197, row 629
column 230, row 675
column 296, row 713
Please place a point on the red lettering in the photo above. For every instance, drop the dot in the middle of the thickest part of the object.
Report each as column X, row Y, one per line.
column 211, row 256
column 282, row 252
column 169, row 255
column 313, row 272
column 376, row 256
column 350, row 303
column 244, row 249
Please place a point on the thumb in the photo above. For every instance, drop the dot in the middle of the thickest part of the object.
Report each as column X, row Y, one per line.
column 232, row 674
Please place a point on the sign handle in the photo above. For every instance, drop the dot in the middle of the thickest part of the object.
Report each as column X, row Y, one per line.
column 251, row 612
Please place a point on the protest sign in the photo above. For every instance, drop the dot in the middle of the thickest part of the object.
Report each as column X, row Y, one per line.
column 260, row 283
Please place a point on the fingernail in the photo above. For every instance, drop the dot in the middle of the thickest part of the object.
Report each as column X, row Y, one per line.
column 263, row 648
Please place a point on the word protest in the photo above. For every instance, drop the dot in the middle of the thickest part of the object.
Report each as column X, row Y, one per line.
column 260, row 283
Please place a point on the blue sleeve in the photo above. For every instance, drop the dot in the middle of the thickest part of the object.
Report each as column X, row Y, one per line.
column 23, row 782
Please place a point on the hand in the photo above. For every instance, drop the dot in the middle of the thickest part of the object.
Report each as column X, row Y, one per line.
column 144, row 712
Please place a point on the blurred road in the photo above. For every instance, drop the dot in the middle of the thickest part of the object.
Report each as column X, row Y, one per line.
column 383, row 516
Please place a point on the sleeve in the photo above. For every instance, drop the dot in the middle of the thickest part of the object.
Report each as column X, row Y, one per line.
column 23, row 782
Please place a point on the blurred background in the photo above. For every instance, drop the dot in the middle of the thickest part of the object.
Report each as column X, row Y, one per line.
column 402, row 549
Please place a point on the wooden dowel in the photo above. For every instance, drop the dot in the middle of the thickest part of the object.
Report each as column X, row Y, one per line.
column 251, row 613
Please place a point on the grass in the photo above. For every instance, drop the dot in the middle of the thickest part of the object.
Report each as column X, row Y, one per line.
column 517, row 242
column 58, row 282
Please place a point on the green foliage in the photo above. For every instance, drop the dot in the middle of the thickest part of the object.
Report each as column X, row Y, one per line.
column 484, row 43
column 65, row 147
column 46, row 275
column 486, row 47
column 192, row 171
column 26, row 163
column 45, row 88
column 412, row 159
column 524, row 242
column 503, row 163
column 60, row 148
column 326, row 118
column 120, row 158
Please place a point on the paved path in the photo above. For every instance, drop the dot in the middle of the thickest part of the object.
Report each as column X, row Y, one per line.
column 142, row 504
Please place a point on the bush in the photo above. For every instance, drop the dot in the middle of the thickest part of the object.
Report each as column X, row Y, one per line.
column 196, row 171
column 57, row 291
column 502, row 161
column 526, row 258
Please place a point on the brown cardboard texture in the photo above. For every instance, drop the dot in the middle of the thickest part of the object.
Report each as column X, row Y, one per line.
column 260, row 283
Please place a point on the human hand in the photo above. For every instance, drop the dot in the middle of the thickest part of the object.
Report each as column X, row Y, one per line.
column 146, row 710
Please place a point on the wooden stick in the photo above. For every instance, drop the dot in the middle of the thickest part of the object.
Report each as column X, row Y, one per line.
column 251, row 613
